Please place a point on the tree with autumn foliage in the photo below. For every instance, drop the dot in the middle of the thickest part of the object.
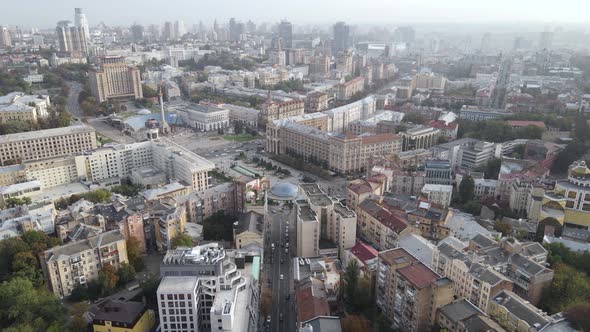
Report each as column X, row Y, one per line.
column 108, row 278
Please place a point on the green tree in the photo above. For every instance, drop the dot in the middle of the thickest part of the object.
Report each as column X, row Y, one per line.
column 97, row 196
column 126, row 273
column 148, row 92
column 16, row 201
column 218, row 227
column 466, row 189
column 351, row 279
column 77, row 320
column 504, row 227
column 182, row 240
column 568, row 288
column 491, row 169
column 150, row 287
column 579, row 316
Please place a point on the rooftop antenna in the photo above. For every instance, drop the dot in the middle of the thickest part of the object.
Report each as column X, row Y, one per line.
column 163, row 125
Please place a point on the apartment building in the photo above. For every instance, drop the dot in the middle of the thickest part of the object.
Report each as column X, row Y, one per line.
column 115, row 80
column 408, row 292
column 516, row 314
column 325, row 218
column 203, row 116
column 380, row 226
column 16, row 106
column 168, row 219
column 485, row 188
column 371, row 124
column 76, row 263
column 341, row 117
column 476, row 113
column 272, row 110
column 412, row 158
column 359, row 190
column 474, row 281
column 316, row 102
column 208, row 288
column 48, row 143
column 346, row 90
column 430, row 220
column 429, row 82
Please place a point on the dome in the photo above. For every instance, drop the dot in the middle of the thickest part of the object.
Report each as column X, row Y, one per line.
column 144, row 112
column 284, row 190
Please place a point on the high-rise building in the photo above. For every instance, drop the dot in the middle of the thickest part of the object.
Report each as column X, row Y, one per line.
column 168, row 33
column 137, row 32
column 179, row 29
column 5, row 40
column 236, row 29
column 546, row 40
column 404, row 35
column 286, row 33
column 341, row 37
column 486, row 43
column 71, row 39
column 82, row 23
column 115, row 79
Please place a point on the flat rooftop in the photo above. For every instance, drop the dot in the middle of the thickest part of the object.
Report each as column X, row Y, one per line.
column 39, row 134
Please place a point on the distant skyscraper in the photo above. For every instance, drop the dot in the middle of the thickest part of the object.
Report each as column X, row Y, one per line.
column 404, row 35
column 250, row 27
column 71, row 39
column 236, row 29
column 286, row 33
column 168, row 31
column 546, row 40
column 486, row 43
column 179, row 29
column 341, row 37
column 137, row 32
column 5, row 40
column 82, row 23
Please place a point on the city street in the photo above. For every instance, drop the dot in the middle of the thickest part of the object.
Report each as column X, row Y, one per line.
column 280, row 264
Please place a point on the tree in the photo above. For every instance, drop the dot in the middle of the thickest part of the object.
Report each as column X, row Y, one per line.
column 351, row 279
column 97, row 196
column 363, row 295
column 16, row 201
column 182, row 240
column 150, row 287
column 466, row 189
column 218, row 227
column 125, row 274
column 568, row 288
column 355, row 323
column 107, row 279
column 28, row 309
column 77, row 320
column 492, row 168
column 504, row 227
column 579, row 316
column 134, row 254
column 148, row 92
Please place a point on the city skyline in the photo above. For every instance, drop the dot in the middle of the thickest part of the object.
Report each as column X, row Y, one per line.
column 371, row 12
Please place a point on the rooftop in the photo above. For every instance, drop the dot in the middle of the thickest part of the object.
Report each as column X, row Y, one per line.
column 460, row 310
column 419, row 275
column 178, row 284
column 520, row 308
column 64, row 251
column 46, row 133
column 118, row 311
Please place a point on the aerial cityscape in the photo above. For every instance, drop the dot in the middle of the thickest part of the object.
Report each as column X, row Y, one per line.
column 295, row 166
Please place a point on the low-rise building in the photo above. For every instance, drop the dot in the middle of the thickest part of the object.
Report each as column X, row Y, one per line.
column 204, row 116
column 16, row 106
column 121, row 316
column 438, row 193
column 516, row 314
column 316, row 102
column 430, row 220
column 249, row 230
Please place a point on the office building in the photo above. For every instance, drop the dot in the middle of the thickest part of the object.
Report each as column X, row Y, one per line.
column 5, row 39
column 286, row 33
column 204, row 116
column 71, row 39
column 341, row 41
column 122, row 316
column 316, row 102
column 208, row 288
column 82, row 23
column 321, row 217
column 475, row 113
column 438, row 193
column 48, row 143
column 341, row 117
column 429, row 82
column 179, row 30
column 419, row 137
column 77, row 263
column 175, row 161
column 438, row 172
column 408, row 292
column 16, row 106
column 115, row 80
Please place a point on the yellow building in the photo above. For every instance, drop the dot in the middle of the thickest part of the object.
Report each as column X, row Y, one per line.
column 120, row 316
column 569, row 202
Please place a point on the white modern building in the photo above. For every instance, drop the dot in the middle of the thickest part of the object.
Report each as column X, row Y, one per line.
column 203, row 117
column 438, row 193
column 341, row 117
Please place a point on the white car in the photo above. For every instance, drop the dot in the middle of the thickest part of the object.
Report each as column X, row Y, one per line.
column 282, row 277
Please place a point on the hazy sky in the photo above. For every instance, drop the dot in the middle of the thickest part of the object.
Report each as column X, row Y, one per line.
column 45, row 13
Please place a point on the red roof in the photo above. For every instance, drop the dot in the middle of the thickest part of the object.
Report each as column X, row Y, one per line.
column 516, row 123
column 361, row 187
column 363, row 251
column 310, row 305
column 419, row 275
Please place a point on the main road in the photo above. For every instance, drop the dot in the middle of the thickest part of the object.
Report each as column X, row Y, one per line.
column 283, row 297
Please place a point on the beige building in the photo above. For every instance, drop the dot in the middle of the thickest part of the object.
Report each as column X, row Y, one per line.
column 77, row 263
column 380, row 226
column 272, row 110
column 407, row 183
column 17, row 106
column 408, row 292
column 249, row 230
column 327, row 219
column 438, row 193
column 114, row 80
column 316, row 102
column 420, row 137
column 48, row 143
column 169, row 220
column 346, row 90
column 516, row 314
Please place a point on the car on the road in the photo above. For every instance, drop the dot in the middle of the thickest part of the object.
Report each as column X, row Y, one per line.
column 268, row 319
column 282, row 277
column 281, row 317
column 272, row 245
column 282, row 261
column 287, row 245
column 286, row 250
column 288, row 297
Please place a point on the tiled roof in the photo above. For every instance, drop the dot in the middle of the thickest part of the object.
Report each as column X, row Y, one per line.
column 419, row 275
column 363, row 251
